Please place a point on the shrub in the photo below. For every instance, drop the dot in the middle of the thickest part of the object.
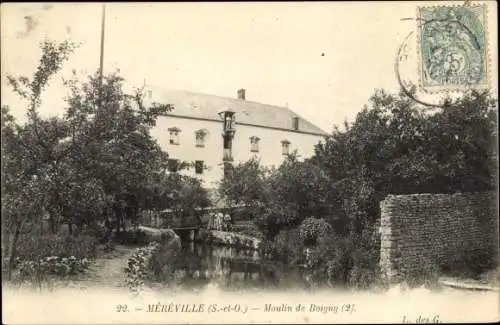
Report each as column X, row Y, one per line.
column 268, row 249
column 131, row 237
column 42, row 257
column 36, row 272
column 251, row 232
column 288, row 247
column 338, row 256
column 365, row 271
column 137, row 266
column 154, row 262
column 351, row 259
column 427, row 275
column 225, row 238
column 164, row 259
column 470, row 262
column 313, row 228
column 34, row 248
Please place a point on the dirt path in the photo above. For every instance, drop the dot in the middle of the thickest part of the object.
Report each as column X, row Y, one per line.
column 106, row 272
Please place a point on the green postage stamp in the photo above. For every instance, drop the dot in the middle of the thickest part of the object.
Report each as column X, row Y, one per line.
column 452, row 48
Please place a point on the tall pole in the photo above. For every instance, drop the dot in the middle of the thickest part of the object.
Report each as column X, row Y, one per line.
column 103, row 24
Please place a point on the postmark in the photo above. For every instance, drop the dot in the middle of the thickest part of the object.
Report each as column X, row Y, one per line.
column 452, row 48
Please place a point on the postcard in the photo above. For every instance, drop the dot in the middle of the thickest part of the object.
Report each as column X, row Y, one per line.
column 250, row 162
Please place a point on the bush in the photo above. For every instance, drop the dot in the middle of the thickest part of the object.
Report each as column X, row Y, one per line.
column 365, row 271
column 313, row 228
column 131, row 237
column 155, row 262
column 427, row 275
column 225, row 238
column 53, row 265
column 288, row 247
column 137, row 266
column 337, row 259
column 40, row 257
column 164, row 259
column 247, row 228
column 269, row 249
column 34, row 248
column 46, row 269
column 251, row 232
column 469, row 262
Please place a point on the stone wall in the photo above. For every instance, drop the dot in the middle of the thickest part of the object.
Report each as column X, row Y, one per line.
column 433, row 229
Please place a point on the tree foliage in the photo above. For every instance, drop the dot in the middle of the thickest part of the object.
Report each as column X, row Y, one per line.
column 185, row 196
column 97, row 162
column 27, row 150
column 245, row 185
column 110, row 142
column 279, row 198
column 395, row 146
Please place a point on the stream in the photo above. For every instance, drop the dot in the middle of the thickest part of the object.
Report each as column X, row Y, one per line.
column 201, row 264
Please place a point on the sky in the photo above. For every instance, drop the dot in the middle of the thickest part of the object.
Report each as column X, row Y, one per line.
column 321, row 59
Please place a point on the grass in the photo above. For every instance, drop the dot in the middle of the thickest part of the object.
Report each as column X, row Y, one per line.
column 491, row 277
column 33, row 247
column 41, row 259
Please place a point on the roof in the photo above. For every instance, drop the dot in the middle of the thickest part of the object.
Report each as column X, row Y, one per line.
column 204, row 106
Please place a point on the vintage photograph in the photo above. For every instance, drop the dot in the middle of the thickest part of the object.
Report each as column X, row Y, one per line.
column 249, row 162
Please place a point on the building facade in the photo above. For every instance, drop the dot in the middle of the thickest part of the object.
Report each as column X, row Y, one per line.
column 194, row 132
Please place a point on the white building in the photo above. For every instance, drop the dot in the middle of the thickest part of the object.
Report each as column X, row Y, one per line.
column 193, row 131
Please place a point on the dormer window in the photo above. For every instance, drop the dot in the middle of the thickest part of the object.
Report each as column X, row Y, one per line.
column 254, row 144
column 200, row 136
column 174, row 136
column 285, row 147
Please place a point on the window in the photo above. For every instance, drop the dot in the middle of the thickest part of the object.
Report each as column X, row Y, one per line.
column 200, row 136
column 150, row 94
column 285, row 147
column 174, row 135
column 173, row 165
column 198, row 166
column 254, row 144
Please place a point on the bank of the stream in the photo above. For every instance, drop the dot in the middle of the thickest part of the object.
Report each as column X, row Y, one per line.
column 231, row 260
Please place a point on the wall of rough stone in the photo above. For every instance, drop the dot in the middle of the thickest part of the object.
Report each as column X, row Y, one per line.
column 432, row 229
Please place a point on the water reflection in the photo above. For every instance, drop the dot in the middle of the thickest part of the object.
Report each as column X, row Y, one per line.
column 230, row 267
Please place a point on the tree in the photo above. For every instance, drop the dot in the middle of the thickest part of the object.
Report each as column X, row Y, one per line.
column 28, row 150
column 98, row 157
column 111, row 144
column 245, row 185
column 279, row 198
column 396, row 146
column 185, row 196
column 298, row 189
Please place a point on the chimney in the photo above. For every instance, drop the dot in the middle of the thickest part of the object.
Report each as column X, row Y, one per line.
column 241, row 94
